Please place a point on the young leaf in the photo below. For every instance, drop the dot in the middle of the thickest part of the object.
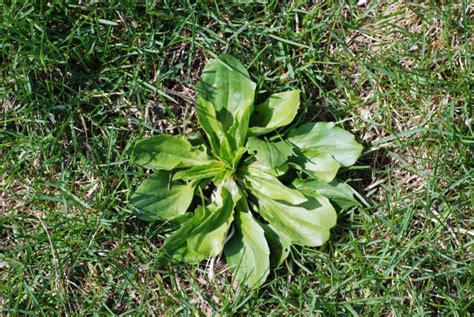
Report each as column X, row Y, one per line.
column 340, row 193
column 159, row 198
column 232, row 187
column 238, row 153
column 247, row 252
column 325, row 138
column 203, row 235
column 166, row 152
column 260, row 182
column 208, row 238
column 175, row 248
column 277, row 111
column 219, row 140
column 305, row 224
column 226, row 85
column 272, row 154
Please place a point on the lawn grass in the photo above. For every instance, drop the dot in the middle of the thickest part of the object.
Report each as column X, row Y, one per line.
column 80, row 82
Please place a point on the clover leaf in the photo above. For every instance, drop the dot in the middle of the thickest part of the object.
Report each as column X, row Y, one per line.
column 270, row 190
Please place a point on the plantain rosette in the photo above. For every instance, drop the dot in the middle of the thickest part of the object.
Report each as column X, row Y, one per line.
column 270, row 190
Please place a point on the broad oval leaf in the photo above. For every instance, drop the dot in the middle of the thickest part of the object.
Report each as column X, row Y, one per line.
column 260, row 182
column 272, row 154
column 325, row 138
column 247, row 252
column 277, row 111
column 226, row 85
column 305, row 224
column 159, row 198
column 340, row 193
column 166, row 152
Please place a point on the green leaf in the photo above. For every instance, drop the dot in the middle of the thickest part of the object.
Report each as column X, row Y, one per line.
column 207, row 239
column 272, row 154
column 325, row 138
column 340, row 193
column 277, row 171
column 175, row 248
column 317, row 164
column 218, row 138
column 166, row 152
column 247, row 252
column 232, row 187
column 226, row 85
column 277, row 111
column 305, row 224
column 261, row 182
column 279, row 245
column 214, row 169
column 203, row 235
column 237, row 157
column 159, row 198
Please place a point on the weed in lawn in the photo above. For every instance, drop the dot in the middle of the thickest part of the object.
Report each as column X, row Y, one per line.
column 269, row 189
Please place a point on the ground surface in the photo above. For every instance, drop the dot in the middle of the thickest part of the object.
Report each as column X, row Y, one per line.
column 80, row 82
